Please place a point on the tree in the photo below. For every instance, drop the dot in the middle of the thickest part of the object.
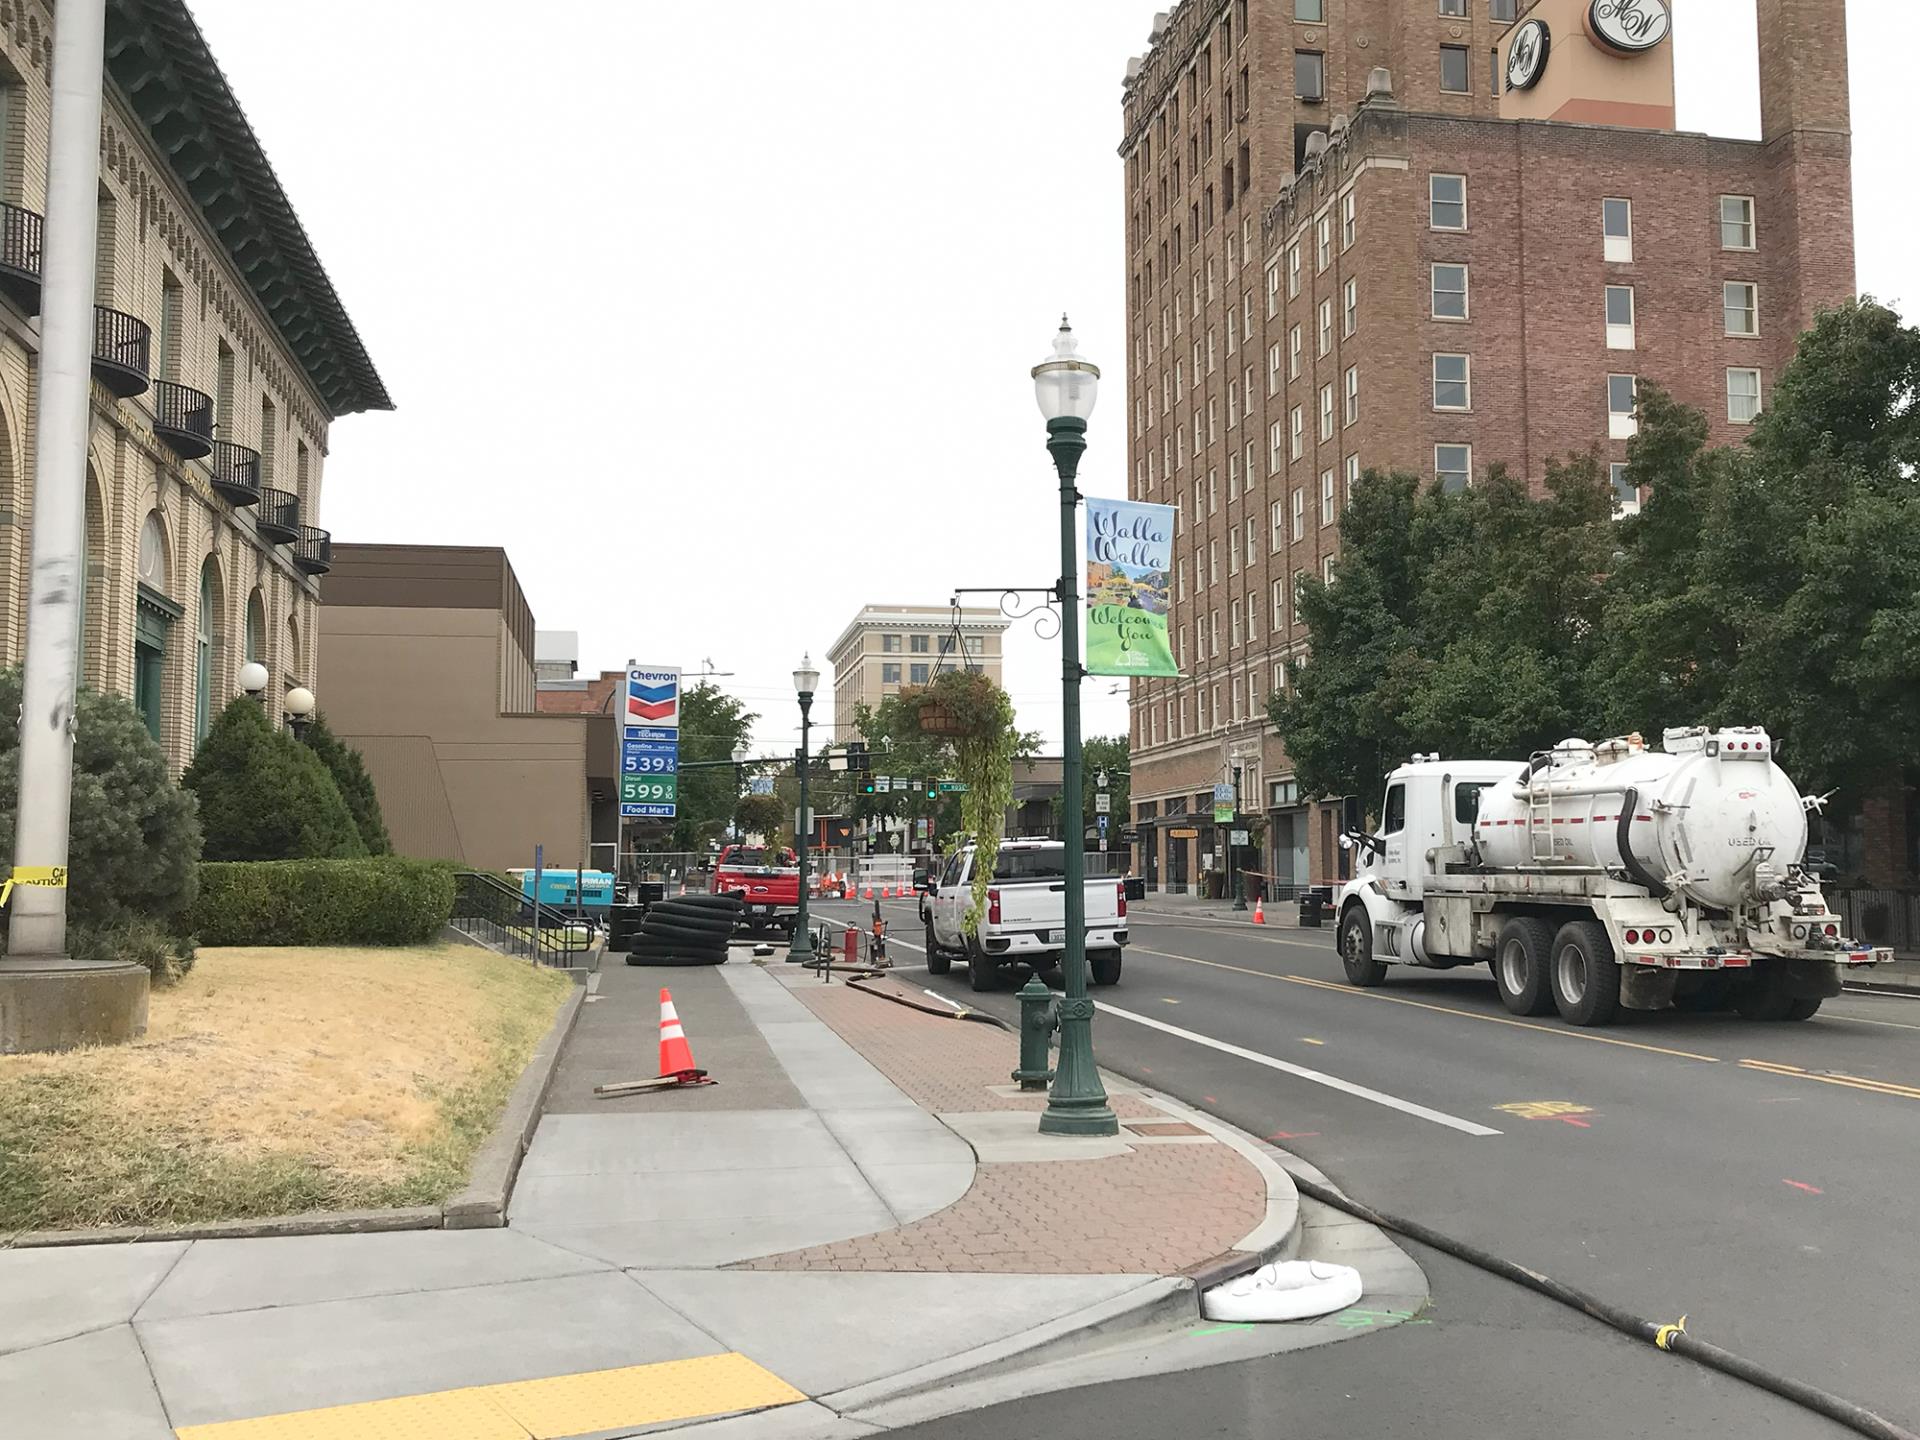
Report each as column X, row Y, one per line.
column 712, row 724
column 765, row 816
column 1108, row 753
column 349, row 773
column 1460, row 622
column 133, row 836
column 265, row 796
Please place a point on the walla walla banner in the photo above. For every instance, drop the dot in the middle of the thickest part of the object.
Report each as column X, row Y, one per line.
column 1129, row 585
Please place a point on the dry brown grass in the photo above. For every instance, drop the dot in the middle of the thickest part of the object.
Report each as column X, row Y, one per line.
column 272, row 1081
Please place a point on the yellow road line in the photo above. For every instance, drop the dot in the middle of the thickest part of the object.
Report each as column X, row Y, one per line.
column 1442, row 1009
column 1852, row 1082
column 561, row 1405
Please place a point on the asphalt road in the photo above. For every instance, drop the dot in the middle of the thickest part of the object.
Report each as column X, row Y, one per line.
column 1762, row 1180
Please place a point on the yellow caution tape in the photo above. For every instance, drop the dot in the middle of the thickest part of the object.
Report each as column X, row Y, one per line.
column 1663, row 1337
column 46, row 877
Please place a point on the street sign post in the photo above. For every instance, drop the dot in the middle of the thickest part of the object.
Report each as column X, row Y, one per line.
column 650, row 744
column 1103, row 803
column 953, row 787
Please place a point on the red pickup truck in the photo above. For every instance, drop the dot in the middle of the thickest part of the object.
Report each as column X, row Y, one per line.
column 767, row 882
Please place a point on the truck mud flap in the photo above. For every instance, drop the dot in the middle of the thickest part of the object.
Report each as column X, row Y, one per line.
column 1802, row 979
column 1644, row 988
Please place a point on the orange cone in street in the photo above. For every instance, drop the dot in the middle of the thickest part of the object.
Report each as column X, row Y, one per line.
column 676, row 1056
column 1259, row 911
column 869, row 894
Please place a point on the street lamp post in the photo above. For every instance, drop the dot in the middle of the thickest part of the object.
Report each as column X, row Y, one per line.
column 299, row 704
column 253, row 680
column 1065, row 387
column 1233, row 854
column 806, row 680
column 740, row 754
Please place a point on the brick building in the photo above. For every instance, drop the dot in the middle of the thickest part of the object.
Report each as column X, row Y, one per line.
column 1351, row 244
column 221, row 357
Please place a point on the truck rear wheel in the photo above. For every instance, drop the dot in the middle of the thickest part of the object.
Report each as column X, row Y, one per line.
column 1356, row 949
column 1762, row 1002
column 982, row 973
column 1521, row 958
column 938, row 961
column 1105, row 965
column 1586, row 977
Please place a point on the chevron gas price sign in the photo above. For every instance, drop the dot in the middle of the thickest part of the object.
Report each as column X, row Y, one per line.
column 650, row 744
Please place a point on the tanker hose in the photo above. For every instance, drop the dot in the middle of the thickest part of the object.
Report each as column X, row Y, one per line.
column 1629, row 805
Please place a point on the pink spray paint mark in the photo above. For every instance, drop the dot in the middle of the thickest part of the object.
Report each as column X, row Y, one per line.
column 1802, row 1185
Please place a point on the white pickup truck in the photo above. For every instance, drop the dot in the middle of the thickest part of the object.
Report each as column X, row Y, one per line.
column 1025, row 919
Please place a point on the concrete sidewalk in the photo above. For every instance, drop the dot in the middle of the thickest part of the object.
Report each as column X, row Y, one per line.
column 857, row 1215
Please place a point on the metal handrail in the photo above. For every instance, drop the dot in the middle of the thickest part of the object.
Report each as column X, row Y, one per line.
column 20, row 239
column 236, row 471
column 183, row 410
column 278, row 515
column 313, row 551
column 488, row 908
column 121, row 339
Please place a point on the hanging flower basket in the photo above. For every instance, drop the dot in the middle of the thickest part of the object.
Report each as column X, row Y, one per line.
column 936, row 719
column 963, row 704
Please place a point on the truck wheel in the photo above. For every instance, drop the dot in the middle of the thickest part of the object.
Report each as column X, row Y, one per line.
column 938, row 961
column 1520, row 962
column 1356, row 949
column 1803, row 1009
column 1586, row 977
column 982, row 973
column 1105, row 965
column 1712, row 994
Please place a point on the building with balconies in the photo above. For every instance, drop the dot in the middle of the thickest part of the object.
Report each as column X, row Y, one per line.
column 222, row 356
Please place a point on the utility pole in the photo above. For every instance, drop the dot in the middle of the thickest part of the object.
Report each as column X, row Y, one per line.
column 48, row 1001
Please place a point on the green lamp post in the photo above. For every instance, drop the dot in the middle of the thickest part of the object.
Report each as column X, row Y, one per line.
column 806, row 680
column 1065, row 386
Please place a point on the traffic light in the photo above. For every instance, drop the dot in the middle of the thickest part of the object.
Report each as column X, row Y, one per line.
column 866, row 784
column 933, row 789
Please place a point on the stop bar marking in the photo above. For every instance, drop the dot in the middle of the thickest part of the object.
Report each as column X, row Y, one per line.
column 1318, row 1077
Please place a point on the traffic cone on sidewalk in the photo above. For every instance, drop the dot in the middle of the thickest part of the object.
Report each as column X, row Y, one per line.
column 1259, row 911
column 676, row 1056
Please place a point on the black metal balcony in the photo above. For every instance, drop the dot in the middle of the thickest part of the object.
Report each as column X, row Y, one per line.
column 183, row 417
column 313, row 551
column 278, row 517
column 120, row 348
column 20, row 256
column 236, row 472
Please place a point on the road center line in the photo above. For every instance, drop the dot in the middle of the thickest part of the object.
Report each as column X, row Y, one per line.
column 1332, row 1082
column 1429, row 1005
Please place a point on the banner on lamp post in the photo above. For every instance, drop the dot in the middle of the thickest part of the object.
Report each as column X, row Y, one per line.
column 1129, row 588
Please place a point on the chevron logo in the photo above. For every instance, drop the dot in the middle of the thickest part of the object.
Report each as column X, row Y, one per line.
column 651, row 694
column 653, row 698
column 657, row 711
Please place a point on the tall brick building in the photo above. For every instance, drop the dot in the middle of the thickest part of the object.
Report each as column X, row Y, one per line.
column 1352, row 244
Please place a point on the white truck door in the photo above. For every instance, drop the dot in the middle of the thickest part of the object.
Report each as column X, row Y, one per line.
column 1393, row 837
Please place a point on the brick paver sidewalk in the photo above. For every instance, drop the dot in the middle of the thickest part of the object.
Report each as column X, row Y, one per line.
column 1174, row 1200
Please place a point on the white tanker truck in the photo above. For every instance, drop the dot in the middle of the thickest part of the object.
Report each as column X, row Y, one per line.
column 1599, row 876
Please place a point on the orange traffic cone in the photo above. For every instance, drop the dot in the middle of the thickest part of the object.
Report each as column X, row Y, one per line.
column 869, row 894
column 1259, row 911
column 676, row 1056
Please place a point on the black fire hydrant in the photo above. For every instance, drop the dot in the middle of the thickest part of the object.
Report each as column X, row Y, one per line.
column 1037, row 1024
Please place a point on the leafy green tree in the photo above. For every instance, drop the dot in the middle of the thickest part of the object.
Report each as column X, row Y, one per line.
column 1108, row 753
column 349, row 773
column 265, row 796
column 712, row 724
column 1461, row 622
column 765, row 816
column 133, row 836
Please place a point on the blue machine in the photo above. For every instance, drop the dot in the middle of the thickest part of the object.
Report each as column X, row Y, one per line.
column 586, row 891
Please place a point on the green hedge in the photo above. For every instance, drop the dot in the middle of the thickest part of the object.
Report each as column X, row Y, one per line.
column 383, row 901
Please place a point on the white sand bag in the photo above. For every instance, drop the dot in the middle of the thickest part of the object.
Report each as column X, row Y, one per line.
column 1296, row 1290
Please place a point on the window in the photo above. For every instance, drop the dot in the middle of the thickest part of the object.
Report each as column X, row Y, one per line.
column 1452, row 382
column 223, row 392
column 1453, row 69
column 889, row 644
column 1213, row 562
column 1253, row 540
column 917, row 673
column 1213, row 421
column 204, row 622
column 1328, row 508
column 1273, row 368
column 1349, row 206
column 1326, row 411
column 1309, row 75
column 1214, row 626
column 1233, row 333
column 1453, row 7
column 1279, row 684
column 1273, row 291
column 1233, row 407
column 1326, row 569
column 1323, row 244
column 1353, row 474
column 1273, row 446
column 1503, row 11
column 173, row 319
column 1447, row 202
column 1453, row 466
column 1279, row 619
column 1736, row 222
column 1350, row 307
column 1626, row 495
column 1293, row 271
column 269, row 433
column 919, row 644
column 1278, row 519
column 1616, row 231
column 1621, row 424
column 1619, row 317
column 1233, row 625
column 1233, row 552
column 1180, row 579
column 1293, row 353
column 1449, row 292
column 1311, row 11
column 1740, row 304
column 1353, row 395
column 1299, row 513
column 1743, row 396
column 1253, row 614
column 1247, row 467
column 1297, row 431
column 890, row 673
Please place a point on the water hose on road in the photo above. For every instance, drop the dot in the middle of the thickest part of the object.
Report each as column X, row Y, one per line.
column 857, row 973
column 1674, row 1339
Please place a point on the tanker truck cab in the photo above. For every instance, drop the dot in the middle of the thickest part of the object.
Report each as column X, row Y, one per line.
column 1592, row 878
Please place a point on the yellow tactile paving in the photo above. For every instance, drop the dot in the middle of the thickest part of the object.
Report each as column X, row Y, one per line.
column 532, row 1409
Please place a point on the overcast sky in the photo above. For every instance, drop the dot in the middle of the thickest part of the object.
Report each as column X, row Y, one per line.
column 719, row 317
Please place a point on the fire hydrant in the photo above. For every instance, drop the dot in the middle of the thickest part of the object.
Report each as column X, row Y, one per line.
column 1037, row 1024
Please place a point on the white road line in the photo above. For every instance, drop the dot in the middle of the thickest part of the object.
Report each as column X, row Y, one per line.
column 1332, row 1082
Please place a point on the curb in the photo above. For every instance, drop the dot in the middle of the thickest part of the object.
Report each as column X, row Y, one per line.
column 481, row 1205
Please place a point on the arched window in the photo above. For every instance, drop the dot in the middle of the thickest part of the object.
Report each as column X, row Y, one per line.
column 154, row 614
column 293, row 653
column 256, row 628
column 205, row 628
